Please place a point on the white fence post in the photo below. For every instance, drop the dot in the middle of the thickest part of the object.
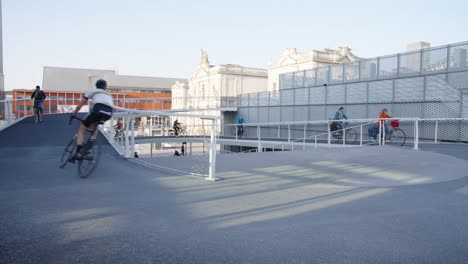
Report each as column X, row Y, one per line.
column 289, row 132
column 329, row 135
column 380, row 133
column 315, row 145
column 279, row 131
column 436, row 130
column 212, row 155
column 132, row 142
column 416, row 135
column 304, row 139
column 360, row 140
column 383, row 133
column 126, row 139
column 25, row 111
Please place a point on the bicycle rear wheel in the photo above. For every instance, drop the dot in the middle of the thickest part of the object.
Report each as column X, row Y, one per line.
column 350, row 136
column 89, row 161
column 36, row 115
column 398, row 136
column 68, row 152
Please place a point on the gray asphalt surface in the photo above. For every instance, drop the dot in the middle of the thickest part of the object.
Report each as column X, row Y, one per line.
column 127, row 213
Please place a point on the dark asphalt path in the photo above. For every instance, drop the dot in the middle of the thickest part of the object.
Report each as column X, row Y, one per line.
column 126, row 213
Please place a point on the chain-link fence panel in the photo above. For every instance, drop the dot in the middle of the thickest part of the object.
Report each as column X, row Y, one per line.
column 301, row 96
column 263, row 98
column 253, row 115
column 368, row 69
column 409, row 90
column 286, row 81
column 336, row 73
column 458, row 57
column 381, row 91
column 434, row 60
column 317, row 95
column 301, row 113
column 274, row 114
column 410, row 63
column 298, row 79
column 356, row 93
column 275, row 98
column 287, row 97
column 253, row 99
column 287, row 113
column 388, row 67
column 309, row 78
column 317, row 112
column 351, row 71
column 263, row 114
column 336, row 94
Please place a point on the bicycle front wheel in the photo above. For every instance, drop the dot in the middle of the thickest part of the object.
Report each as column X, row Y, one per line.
column 350, row 136
column 89, row 161
column 68, row 152
column 398, row 136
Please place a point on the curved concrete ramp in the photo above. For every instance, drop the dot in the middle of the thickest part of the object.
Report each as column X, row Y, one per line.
column 358, row 167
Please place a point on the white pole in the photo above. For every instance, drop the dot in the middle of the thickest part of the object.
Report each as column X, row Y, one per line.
column 344, row 134
column 279, row 131
column 383, row 132
column 25, row 111
column 7, row 110
column 127, row 146
column 258, row 132
column 289, row 133
column 133, row 137
column 329, row 136
column 212, row 158
column 315, row 142
column 380, row 133
column 304, row 140
column 436, row 130
column 416, row 135
column 360, row 140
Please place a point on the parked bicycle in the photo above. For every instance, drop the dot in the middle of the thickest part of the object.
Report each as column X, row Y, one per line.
column 395, row 134
column 91, row 151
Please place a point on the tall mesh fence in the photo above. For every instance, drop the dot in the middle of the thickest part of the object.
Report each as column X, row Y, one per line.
column 441, row 93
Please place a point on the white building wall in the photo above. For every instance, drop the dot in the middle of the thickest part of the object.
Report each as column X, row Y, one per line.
column 70, row 79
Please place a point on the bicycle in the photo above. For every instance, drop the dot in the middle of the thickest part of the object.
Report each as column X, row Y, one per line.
column 181, row 131
column 241, row 133
column 37, row 113
column 395, row 135
column 91, row 150
column 349, row 133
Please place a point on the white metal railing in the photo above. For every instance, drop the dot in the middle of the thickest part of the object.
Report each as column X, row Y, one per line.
column 125, row 143
column 315, row 133
column 14, row 110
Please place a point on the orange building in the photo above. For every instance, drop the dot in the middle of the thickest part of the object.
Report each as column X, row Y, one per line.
column 62, row 102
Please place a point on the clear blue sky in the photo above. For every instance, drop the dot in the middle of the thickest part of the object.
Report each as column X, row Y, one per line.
column 164, row 38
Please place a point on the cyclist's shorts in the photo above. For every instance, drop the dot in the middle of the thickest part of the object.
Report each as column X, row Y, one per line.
column 38, row 104
column 99, row 113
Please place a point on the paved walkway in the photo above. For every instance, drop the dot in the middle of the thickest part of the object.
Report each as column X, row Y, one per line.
column 334, row 210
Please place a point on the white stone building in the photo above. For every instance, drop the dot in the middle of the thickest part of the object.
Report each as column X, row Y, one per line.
column 291, row 60
column 212, row 87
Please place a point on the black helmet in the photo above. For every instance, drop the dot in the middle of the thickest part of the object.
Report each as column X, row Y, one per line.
column 101, row 84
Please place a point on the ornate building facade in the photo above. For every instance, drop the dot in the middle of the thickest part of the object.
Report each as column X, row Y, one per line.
column 292, row 60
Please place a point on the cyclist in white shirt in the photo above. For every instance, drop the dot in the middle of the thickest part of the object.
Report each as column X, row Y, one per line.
column 101, row 111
